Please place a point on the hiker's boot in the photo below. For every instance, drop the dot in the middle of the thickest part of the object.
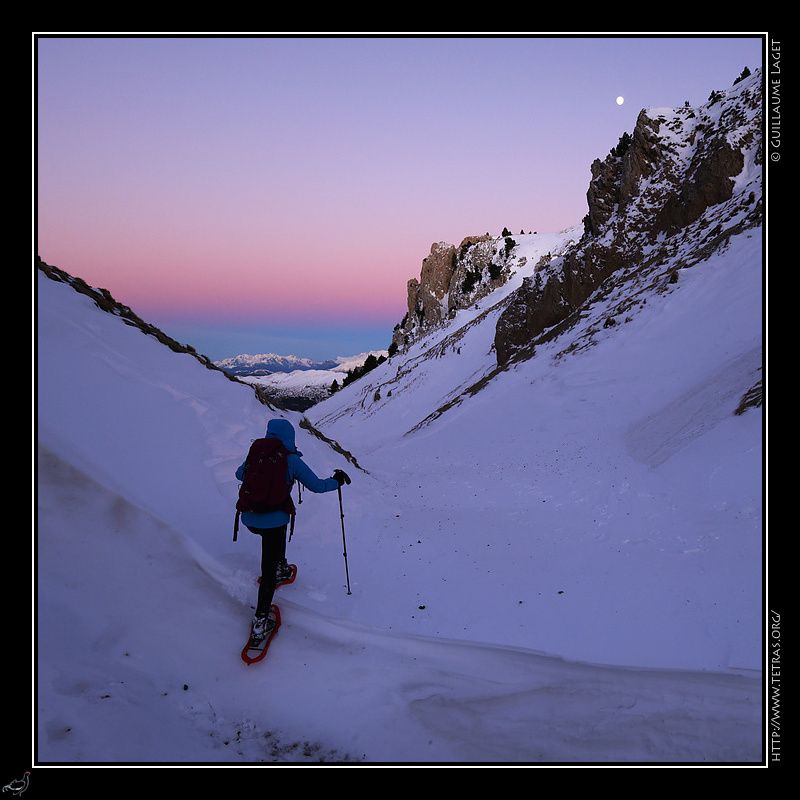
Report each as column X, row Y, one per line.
column 284, row 572
column 262, row 626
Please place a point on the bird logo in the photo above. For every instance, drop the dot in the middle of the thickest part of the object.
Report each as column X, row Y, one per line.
column 19, row 786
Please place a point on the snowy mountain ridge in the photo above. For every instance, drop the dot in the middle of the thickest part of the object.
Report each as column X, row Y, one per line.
column 269, row 362
column 287, row 384
column 266, row 363
column 555, row 557
column 634, row 246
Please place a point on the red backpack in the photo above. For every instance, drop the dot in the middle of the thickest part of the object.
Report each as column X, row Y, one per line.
column 264, row 483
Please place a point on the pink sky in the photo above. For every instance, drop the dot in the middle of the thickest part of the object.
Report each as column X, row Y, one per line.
column 257, row 181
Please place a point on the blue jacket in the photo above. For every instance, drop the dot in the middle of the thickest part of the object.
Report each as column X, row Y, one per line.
column 296, row 469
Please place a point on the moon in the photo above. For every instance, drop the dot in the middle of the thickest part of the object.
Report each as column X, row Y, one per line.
column 620, row 100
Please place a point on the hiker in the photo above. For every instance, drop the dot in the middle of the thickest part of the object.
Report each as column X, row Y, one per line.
column 271, row 525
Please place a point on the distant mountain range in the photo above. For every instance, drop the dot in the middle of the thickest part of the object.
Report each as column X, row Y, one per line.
column 267, row 363
column 292, row 382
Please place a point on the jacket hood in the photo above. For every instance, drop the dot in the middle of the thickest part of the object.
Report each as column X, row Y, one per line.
column 284, row 430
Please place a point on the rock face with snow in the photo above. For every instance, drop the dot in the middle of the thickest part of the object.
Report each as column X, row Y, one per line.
column 685, row 173
column 453, row 278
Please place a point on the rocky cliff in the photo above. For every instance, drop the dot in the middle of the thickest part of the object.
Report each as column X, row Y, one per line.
column 453, row 278
column 686, row 175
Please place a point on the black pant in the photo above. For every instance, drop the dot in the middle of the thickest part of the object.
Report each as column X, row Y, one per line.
column 273, row 549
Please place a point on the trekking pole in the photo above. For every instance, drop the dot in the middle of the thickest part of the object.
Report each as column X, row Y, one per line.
column 344, row 543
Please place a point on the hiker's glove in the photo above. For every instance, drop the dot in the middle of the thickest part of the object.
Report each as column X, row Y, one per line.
column 340, row 477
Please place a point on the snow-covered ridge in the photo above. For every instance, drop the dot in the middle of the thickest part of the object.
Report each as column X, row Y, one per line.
column 648, row 263
column 268, row 362
column 245, row 364
column 293, row 382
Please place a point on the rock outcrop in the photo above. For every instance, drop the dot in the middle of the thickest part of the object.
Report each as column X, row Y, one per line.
column 680, row 168
column 452, row 278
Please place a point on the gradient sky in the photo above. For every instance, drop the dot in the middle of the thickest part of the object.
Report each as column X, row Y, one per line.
column 275, row 194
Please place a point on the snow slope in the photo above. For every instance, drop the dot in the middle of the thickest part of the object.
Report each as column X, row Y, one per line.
column 561, row 568
column 605, row 503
